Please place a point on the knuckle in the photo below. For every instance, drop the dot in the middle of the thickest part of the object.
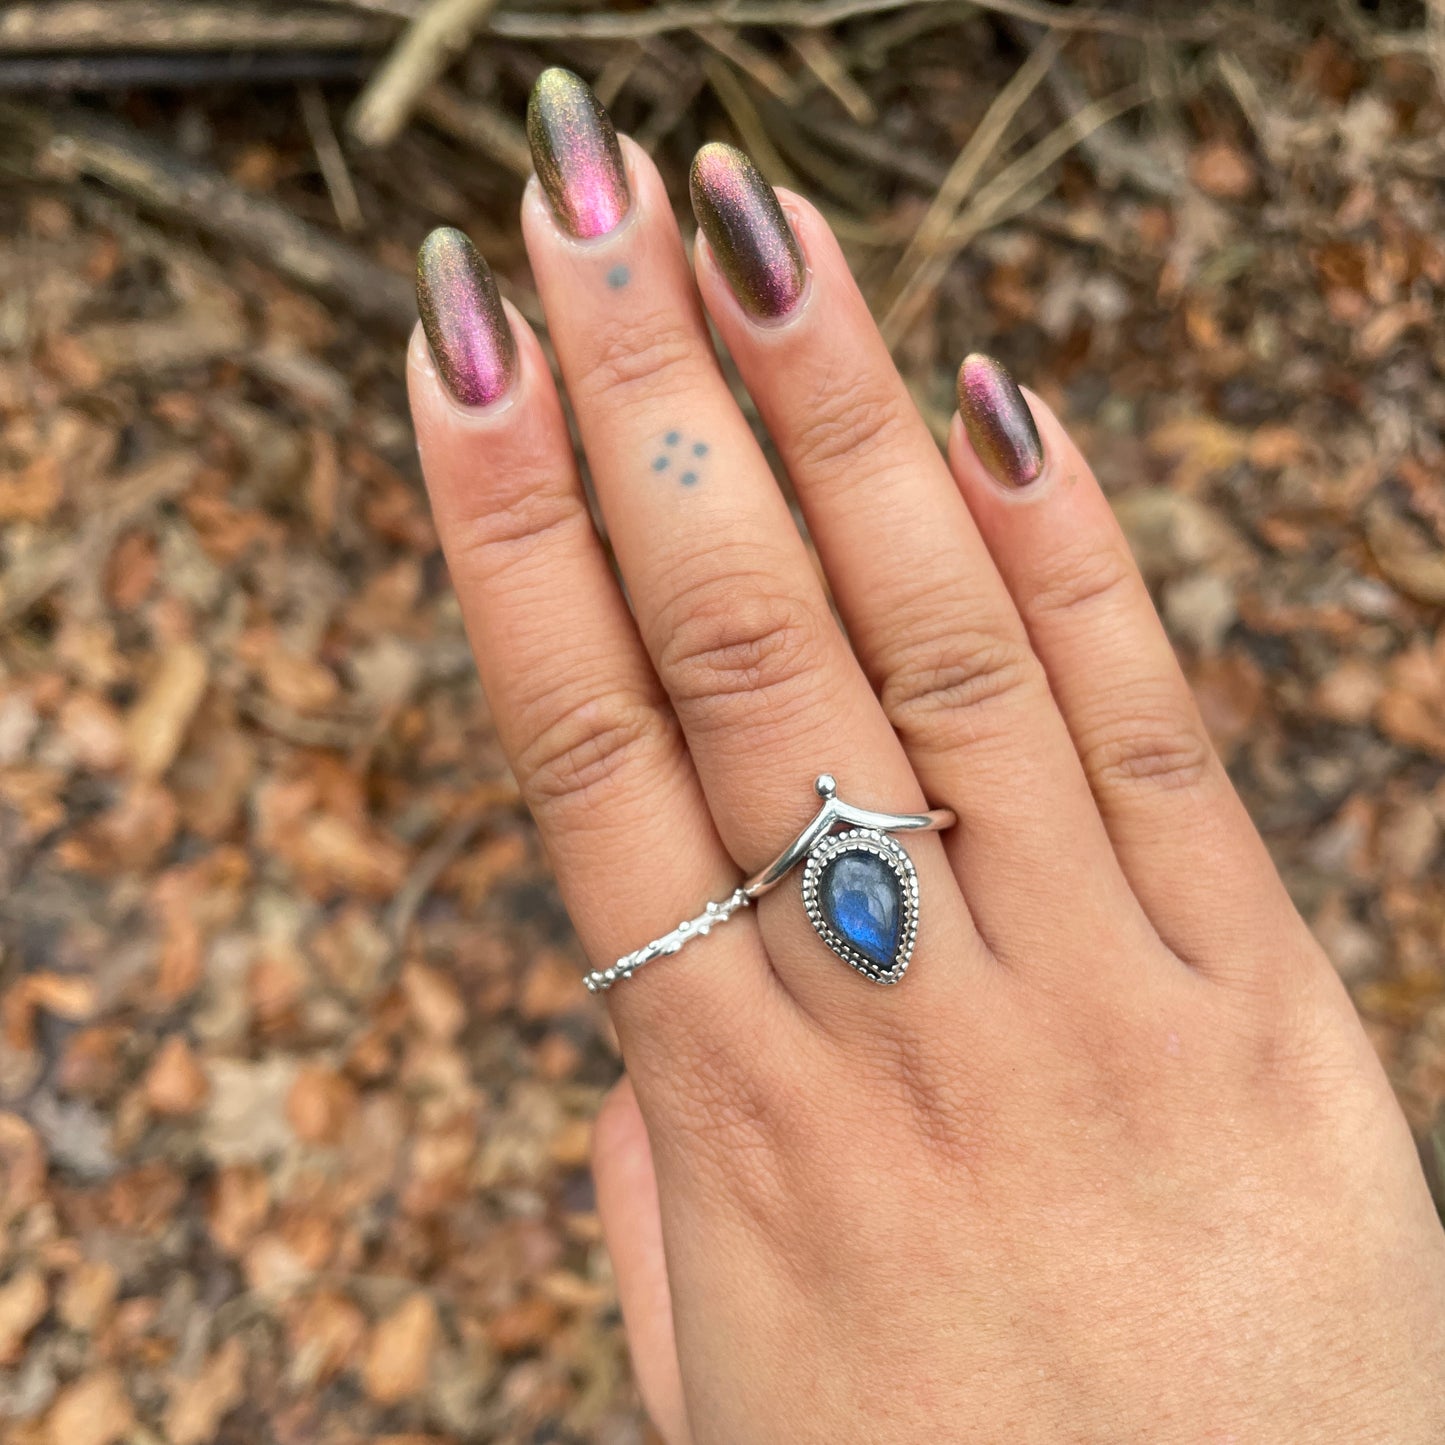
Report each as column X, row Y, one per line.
column 1082, row 579
column 936, row 1095
column 511, row 527
column 1164, row 747
column 730, row 647
column 845, row 423
column 643, row 356
column 939, row 690
column 591, row 747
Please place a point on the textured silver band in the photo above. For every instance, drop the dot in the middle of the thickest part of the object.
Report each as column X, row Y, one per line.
column 833, row 813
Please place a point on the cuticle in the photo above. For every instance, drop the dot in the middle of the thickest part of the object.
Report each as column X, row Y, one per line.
column 794, row 313
column 488, row 411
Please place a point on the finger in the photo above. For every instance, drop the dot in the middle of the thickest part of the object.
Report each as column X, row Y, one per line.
column 924, row 605
column 765, row 686
column 1180, row 831
column 627, row 1204
column 577, row 707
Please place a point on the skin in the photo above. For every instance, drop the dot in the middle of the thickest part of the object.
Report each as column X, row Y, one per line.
column 1115, row 1161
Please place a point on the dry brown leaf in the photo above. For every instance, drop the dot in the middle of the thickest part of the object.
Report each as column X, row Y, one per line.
column 95, row 1410
column 398, row 1355
column 198, row 1406
column 325, row 1333
column 157, row 724
column 88, row 1296
column 1410, row 559
column 34, row 492
column 1223, row 171
column 320, row 1105
column 175, row 1084
column 24, row 1298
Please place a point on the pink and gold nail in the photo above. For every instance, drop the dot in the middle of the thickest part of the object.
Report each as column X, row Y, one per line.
column 576, row 155
column 999, row 422
column 747, row 230
column 462, row 316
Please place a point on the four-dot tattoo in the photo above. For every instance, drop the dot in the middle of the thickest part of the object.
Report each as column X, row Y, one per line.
column 682, row 457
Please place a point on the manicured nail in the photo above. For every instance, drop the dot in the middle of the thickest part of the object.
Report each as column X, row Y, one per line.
column 461, row 313
column 575, row 151
column 747, row 230
column 1000, row 424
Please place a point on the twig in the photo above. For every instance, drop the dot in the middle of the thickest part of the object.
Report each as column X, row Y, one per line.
column 103, row 26
column 969, row 166
column 337, row 733
column 991, row 202
column 817, row 15
column 178, row 70
column 75, row 143
column 1110, row 151
column 428, row 46
column 844, row 179
column 874, row 147
column 37, row 573
column 1435, row 35
column 456, row 836
column 477, row 124
column 620, row 68
column 833, row 76
column 744, row 116
column 1056, row 145
column 329, row 158
column 765, row 71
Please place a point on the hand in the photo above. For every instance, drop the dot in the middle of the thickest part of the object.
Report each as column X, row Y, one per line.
column 1114, row 1161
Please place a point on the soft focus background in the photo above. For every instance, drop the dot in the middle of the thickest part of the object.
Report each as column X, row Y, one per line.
column 296, row 1070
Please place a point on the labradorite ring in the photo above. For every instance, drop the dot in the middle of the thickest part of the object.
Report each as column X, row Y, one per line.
column 860, row 890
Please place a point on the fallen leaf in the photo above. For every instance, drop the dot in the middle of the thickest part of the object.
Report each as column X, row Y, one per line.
column 198, row 1406
column 175, row 1084
column 157, row 724
column 24, row 1299
column 398, row 1356
column 95, row 1410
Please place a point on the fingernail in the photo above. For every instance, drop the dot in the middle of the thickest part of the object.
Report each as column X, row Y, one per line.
column 747, row 230
column 461, row 313
column 1000, row 424
column 576, row 154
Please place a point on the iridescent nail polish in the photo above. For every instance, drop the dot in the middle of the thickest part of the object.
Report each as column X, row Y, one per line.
column 747, row 230
column 1000, row 424
column 576, row 154
column 461, row 313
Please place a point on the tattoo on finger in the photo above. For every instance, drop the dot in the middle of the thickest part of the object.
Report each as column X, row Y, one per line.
column 681, row 457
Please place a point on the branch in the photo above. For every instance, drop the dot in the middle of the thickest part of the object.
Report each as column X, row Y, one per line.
column 78, row 143
column 427, row 47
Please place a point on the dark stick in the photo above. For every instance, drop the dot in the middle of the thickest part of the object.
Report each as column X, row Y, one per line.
column 75, row 143
column 72, row 73
column 89, row 25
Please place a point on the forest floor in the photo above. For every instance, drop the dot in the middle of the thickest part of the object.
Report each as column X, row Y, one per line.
column 296, row 1067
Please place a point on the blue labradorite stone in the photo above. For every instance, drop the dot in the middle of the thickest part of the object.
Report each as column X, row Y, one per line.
column 862, row 900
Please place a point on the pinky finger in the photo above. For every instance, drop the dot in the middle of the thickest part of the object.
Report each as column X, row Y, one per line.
column 1178, row 827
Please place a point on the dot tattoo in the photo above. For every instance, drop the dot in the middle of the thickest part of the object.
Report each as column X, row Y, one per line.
column 618, row 277
column 686, row 454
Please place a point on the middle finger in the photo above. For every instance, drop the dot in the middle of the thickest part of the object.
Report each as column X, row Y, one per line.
column 763, row 681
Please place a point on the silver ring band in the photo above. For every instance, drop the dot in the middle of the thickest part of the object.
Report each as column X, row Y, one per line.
column 867, row 840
